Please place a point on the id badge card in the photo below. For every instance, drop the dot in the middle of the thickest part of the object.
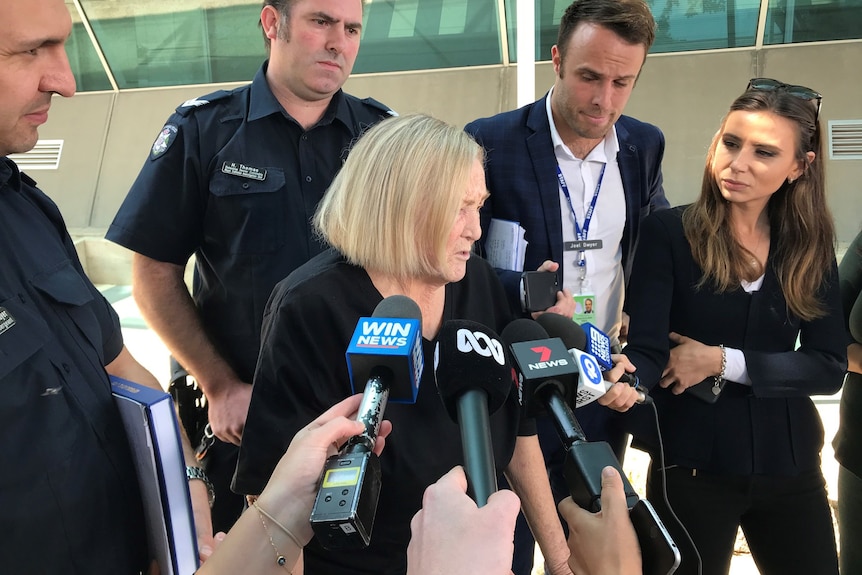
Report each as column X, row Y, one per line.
column 585, row 307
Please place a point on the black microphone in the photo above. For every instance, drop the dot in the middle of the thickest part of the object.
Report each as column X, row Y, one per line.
column 553, row 391
column 585, row 459
column 590, row 339
column 386, row 353
column 474, row 380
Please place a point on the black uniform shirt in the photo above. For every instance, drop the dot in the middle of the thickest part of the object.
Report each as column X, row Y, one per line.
column 69, row 501
column 235, row 180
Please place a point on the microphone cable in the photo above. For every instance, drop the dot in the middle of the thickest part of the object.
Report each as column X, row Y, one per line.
column 663, row 489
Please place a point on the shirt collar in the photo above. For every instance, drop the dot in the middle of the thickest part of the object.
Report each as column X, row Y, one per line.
column 608, row 148
column 8, row 173
column 263, row 103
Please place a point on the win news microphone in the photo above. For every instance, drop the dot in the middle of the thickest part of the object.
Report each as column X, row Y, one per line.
column 385, row 352
column 587, row 338
column 473, row 380
column 584, row 459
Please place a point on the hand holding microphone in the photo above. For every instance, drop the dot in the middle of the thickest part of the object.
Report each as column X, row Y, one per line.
column 603, row 542
column 451, row 535
column 589, row 339
column 385, row 353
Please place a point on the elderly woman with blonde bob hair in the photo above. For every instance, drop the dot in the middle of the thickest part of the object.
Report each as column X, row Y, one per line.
column 401, row 218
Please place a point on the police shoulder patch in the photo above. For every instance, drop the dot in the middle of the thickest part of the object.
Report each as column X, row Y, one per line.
column 166, row 137
column 188, row 106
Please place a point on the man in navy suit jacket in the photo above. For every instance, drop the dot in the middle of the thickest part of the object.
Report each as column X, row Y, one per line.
column 574, row 172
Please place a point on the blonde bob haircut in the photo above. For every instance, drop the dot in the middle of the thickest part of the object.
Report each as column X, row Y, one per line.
column 393, row 204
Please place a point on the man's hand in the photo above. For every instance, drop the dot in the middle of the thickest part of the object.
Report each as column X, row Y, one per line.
column 625, row 321
column 690, row 363
column 450, row 535
column 621, row 396
column 565, row 305
column 228, row 410
column 603, row 543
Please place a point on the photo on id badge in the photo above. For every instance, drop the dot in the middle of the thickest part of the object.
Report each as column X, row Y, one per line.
column 584, row 308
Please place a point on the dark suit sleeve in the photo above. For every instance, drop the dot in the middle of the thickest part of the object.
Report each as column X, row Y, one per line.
column 657, row 199
column 817, row 366
column 511, row 280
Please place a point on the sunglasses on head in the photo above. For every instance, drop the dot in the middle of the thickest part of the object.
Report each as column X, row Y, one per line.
column 768, row 85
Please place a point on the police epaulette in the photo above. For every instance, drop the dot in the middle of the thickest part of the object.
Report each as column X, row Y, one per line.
column 189, row 105
column 379, row 105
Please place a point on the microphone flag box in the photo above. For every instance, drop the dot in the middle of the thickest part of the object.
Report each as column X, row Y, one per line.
column 539, row 361
column 154, row 438
column 598, row 345
column 381, row 344
column 591, row 386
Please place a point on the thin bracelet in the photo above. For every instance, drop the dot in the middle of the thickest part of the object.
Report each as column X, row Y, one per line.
column 280, row 560
column 287, row 531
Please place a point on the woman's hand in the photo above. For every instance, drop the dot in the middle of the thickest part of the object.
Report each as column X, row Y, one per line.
column 690, row 363
column 291, row 490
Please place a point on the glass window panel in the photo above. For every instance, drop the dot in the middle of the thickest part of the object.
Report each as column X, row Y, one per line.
column 790, row 21
column 88, row 70
column 428, row 34
column 174, row 42
column 681, row 24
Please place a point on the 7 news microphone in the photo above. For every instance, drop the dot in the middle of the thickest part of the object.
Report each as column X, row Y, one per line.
column 587, row 338
column 384, row 355
column 474, row 380
column 547, row 374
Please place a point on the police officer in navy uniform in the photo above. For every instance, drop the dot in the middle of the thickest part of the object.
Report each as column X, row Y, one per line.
column 69, row 496
column 234, row 178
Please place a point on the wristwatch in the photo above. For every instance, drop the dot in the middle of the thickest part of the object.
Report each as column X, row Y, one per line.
column 198, row 473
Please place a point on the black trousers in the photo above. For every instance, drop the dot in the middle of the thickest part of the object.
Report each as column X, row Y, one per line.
column 850, row 520
column 786, row 520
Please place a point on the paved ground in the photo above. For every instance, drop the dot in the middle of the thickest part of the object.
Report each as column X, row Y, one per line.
column 149, row 350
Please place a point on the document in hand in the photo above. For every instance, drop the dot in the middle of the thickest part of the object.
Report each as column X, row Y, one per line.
column 154, row 438
column 505, row 246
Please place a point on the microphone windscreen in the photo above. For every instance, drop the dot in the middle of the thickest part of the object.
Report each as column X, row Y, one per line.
column 389, row 345
column 469, row 355
column 399, row 306
column 567, row 330
column 523, row 329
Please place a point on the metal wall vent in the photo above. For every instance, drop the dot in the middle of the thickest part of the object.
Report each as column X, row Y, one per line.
column 845, row 139
column 45, row 155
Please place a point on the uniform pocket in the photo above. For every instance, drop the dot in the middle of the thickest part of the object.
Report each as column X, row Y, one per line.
column 66, row 286
column 22, row 334
column 245, row 214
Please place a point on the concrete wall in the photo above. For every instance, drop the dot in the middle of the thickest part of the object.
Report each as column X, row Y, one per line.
column 108, row 136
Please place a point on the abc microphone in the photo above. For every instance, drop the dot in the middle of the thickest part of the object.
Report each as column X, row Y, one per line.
column 590, row 339
column 385, row 352
column 473, row 380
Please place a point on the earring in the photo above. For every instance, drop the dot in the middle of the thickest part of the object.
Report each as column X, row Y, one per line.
column 790, row 180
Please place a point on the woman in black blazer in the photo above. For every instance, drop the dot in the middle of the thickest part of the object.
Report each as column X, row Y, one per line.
column 735, row 322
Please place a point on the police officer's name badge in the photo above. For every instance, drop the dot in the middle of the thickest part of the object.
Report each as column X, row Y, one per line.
column 166, row 137
column 6, row 320
column 243, row 171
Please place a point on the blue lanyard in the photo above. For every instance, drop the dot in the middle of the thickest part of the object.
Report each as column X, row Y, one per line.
column 580, row 232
